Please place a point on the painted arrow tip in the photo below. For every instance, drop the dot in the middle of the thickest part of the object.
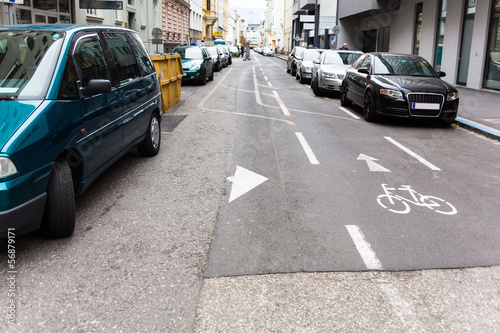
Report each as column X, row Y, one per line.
column 375, row 167
column 244, row 181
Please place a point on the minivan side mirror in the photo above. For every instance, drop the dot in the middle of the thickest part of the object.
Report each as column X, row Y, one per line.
column 96, row 87
column 316, row 61
column 441, row 74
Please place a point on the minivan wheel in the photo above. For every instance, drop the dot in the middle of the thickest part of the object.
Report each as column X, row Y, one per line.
column 59, row 215
column 151, row 144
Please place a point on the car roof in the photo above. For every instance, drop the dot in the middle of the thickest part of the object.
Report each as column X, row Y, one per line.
column 69, row 28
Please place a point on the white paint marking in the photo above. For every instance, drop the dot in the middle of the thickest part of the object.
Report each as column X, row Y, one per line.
column 364, row 248
column 265, row 77
column 307, row 148
column 371, row 163
column 409, row 152
column 243, row 181
column 348, row 112
column 269, row 84
column 280, row 102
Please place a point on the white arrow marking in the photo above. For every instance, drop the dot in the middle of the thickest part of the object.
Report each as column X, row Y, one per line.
column 371, row 163
column 243, row 181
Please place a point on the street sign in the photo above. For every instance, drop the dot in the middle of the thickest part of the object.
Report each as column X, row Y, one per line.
column 101, row 4
column 336, row 30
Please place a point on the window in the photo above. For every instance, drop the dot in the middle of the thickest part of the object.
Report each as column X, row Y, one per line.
column 418, row 26
column 367, row 63
column 67, row 90
column 440, row 35
column 90, row 60
column 142, row 55
column 123, row 57
column 492, row 70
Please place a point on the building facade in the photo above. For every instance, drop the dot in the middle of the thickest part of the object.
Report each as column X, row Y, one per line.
column 459, row 37
column 195, row 21
column 252, row 34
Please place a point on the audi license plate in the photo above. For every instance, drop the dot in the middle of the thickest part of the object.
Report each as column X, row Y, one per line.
column 425, row 106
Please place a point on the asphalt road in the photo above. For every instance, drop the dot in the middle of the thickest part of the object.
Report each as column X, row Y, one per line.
column 260, row 213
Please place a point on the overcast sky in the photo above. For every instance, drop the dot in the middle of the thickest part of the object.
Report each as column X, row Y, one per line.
column 247, row 4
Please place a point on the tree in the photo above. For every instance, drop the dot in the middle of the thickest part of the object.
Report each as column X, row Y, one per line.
column 243, row 40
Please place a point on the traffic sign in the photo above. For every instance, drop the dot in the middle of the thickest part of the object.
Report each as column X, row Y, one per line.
column 336, row 30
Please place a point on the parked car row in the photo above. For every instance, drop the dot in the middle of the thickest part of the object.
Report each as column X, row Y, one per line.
column 200, row 63
column 267, row 51
column 397, row 85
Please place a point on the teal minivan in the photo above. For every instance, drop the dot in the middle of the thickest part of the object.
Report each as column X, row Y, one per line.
column 73, row 100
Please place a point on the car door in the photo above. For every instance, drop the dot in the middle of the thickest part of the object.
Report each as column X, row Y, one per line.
column 132, row 89
column 358, row 81
column 103, row 131
column 209, row 63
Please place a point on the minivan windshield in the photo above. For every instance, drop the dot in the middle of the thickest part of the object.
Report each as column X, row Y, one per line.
column 27, row 61
column 403, row 65
column 191, row 53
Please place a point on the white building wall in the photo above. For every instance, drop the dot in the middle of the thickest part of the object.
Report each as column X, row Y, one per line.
column 196, row 15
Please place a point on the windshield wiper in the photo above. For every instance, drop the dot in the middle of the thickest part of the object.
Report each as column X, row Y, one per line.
column 7, row 98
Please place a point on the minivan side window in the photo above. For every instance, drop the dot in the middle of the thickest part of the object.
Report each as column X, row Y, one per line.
column 123, row 56
column 142, row 55
column 89, row 57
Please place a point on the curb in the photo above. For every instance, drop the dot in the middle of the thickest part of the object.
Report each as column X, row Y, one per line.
column 477, row 128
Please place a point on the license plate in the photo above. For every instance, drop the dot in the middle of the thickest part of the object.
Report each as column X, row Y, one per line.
column 426, row 106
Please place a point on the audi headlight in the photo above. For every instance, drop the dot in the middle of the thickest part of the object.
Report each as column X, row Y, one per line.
column 7, row 167
column 330, row 75
column 391, row 93
column 452, row 96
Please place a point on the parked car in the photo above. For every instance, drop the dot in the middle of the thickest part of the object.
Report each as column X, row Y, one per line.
column 216, row 56
column 228, row 54
column 399, row 85
column 224, row 55
column 73, row 100
column 235, row 51
column 267, row 51
column 196, row 63
column 305, row 64
column 329, row 70
column 258, row 49
column 291, row 63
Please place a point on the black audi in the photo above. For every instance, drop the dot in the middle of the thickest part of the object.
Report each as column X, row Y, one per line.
column 398, row 85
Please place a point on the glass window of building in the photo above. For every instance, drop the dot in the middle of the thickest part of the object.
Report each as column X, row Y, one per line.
column 440, row 35
column 492, row 70
column 418, row 25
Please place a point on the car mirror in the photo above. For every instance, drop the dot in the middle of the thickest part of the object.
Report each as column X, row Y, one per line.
column 96, row 87
column 208, row 58
column 364, row 71
column 298, row 58
column 316, row 61
column 441, row 74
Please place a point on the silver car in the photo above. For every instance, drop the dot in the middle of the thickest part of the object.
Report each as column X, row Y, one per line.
column 329, row 70
column 305, row 64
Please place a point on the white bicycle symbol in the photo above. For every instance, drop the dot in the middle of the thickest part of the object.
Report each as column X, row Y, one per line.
column 398, row 204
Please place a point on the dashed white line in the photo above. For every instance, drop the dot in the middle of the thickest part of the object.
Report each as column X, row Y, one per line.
column 364, row 248
column 265, row 77
column 307, row 148
column 280, row 102
column 269, row 83
column 411, row 153
column 348, row 112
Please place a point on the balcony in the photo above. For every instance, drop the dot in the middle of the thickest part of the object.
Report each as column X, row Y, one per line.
column 301, row 6
column 364, row 8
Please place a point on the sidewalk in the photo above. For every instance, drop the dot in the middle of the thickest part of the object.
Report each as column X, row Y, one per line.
column 479, row 110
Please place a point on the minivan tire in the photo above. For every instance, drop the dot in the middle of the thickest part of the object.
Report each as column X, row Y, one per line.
column 151, row 144
column 59, row 215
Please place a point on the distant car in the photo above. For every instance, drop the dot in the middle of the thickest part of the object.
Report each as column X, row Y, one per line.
column 73, row 100
column 196, row 63
column 228, row 54
column 216, row 55
column 224, row 55
column 291, row 63
column 258, row 50
column 329, row 70
column 305, row 64
column 399, row 85
column 234, row 50
column 267, row 51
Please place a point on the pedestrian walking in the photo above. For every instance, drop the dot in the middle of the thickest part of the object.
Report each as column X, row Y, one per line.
column 242, row 53
column 344, row 47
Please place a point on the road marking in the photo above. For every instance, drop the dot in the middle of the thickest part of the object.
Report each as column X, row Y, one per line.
column 280, row 102
column 269, row 83
column 265, row 77
column 307, row 148
column 409, row 152
column 371, row 163
column 348, row 112
column 364, row 248
column 244, row 181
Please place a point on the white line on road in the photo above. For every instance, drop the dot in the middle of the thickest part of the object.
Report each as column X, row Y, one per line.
column 269, row 83
column 409, row 152
column 280, row 102
column 307, row 148
column 265, row 77
column 348, row 112
column 364, row 248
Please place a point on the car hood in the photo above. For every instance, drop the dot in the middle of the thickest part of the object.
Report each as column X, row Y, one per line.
column 335, row 68
column 12, row 115
column 188, row 63
column 417, row 83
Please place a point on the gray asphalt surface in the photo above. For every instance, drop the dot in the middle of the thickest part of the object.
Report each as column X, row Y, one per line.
column 147, row 251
